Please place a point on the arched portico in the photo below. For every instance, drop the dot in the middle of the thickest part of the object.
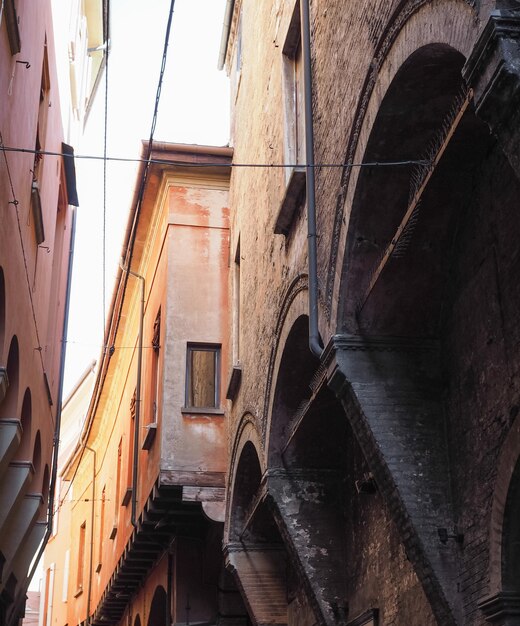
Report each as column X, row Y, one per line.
column 409, row 291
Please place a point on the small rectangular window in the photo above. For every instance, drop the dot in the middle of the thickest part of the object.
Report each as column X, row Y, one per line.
column 81, row 558
column 202, row 376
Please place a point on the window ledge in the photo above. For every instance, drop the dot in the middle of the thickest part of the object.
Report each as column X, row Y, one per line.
column 234, row 382
column 201, row 411
column 127, row 497
column 294, row 197
column 151, row 431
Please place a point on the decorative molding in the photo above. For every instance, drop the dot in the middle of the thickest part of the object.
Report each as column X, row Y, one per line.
column 492, row 70
column 376, row 343
column 500, row 607
column 300, row 283
column 367, row 618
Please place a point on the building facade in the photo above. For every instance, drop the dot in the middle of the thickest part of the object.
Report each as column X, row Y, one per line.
column 375, row 438
column 37, row 192
column 144, row 485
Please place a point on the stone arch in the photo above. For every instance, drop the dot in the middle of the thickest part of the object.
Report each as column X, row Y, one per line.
column 413, row 25
column 409, row 287
column 44, row 490
column 45, row 483
column 246, row 474
column 37, row 461
column 394, row 282
column 9, row 407
column 158, row 608
column 504, row 544
column 24, row 449
column 2, row 310
column 293, row 304
column 295, row 371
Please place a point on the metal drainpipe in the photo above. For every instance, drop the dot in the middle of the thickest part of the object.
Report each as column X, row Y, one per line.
column 56, row 438
column 315, row 343
column 91, row 558
column 137, row 398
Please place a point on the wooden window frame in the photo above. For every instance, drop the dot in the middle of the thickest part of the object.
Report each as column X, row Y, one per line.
column 216, row 349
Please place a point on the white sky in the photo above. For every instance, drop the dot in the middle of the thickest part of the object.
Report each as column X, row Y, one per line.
column 194, row 108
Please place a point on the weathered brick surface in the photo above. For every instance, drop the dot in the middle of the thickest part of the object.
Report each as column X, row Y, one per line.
column 435, row 450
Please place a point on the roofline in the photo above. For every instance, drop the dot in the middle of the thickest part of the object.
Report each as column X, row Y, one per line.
column 228, row 16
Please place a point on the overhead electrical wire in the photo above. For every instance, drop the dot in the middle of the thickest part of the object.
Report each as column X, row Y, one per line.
column 395, row 163
column 105, row 136
column 148, row 161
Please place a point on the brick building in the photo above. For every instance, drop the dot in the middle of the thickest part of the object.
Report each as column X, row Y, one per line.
column 39, row 119
column 375, row 477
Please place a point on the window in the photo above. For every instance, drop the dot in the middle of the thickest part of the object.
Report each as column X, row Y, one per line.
column 154, row 386
column 294, row 125
column 81, row 558
column 117, row 490
column 65, row 588
column 41, row 131
column 294, row 113
column 236, row 370
column 202, row 376
column 101, row 529
column 236, row 306
column 130, row 452
column 48, row 595
column 11, row 20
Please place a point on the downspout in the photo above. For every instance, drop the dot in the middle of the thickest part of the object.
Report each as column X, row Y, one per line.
column 89, row 593
column 137, row 398
column 56, row 437
column 315, row 343
column 169, row 593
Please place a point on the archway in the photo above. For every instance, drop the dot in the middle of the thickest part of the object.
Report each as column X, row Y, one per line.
column 159, row 610
column 2, row 310
column 511, row 537
column 426, row 309
column 8, row 408
column 24, row 449
column 37, row 461
column 405, row 217
column 255, row 551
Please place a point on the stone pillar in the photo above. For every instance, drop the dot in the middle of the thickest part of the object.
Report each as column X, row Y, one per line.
column 493, row 72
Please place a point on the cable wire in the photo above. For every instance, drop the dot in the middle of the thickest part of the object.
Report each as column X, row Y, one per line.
column 318, row 165
column 105, row 134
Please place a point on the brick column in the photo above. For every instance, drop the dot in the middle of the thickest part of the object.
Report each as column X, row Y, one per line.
column 390, row 393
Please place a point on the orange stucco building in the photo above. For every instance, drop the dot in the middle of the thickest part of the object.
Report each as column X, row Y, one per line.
column 148, row 471
column 38, row 121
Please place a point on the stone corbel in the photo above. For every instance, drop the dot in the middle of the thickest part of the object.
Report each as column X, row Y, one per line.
column 502, row 609
column 493, row 72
